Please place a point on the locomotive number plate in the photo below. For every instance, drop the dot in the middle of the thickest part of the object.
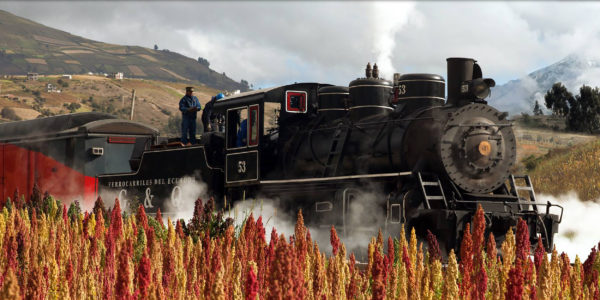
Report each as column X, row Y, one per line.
column 242, row 166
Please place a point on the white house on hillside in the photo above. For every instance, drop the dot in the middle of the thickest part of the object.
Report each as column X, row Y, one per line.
column 116, row 75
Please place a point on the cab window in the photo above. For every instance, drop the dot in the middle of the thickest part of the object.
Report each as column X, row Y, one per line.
column 237, row 127
column 271, row 117
column 253, row 128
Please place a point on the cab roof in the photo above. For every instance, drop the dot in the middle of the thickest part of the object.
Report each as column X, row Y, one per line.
column 273, row 94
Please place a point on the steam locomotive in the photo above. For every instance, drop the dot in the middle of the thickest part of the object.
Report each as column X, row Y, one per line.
column 375, row 154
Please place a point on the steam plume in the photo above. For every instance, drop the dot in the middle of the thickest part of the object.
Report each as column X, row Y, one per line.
column 577, row 233
column 389, row 19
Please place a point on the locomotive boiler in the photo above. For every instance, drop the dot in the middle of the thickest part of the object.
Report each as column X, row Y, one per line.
column 376, row 154
column 408, row 126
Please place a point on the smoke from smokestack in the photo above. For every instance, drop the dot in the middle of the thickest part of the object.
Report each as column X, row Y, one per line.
column 389, row 17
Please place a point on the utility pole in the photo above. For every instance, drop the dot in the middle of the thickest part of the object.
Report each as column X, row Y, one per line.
column 132, row 104
column 122, row 101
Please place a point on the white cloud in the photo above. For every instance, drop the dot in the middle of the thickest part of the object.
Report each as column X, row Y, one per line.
column 271, row 43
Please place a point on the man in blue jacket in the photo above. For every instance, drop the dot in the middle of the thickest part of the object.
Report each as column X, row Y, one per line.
column 242, row 134
column 189, row 107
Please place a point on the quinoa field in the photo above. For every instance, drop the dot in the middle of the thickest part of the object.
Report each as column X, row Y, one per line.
column 50, row 251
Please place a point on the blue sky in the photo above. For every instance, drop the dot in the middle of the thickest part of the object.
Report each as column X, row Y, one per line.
column 271, row 43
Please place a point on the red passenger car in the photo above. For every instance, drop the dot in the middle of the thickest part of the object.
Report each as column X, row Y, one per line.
column 64, row 154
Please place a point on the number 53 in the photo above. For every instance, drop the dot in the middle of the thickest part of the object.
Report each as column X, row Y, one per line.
column 242, row 166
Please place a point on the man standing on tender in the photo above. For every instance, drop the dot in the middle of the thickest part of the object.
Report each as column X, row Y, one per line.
column 189, row 107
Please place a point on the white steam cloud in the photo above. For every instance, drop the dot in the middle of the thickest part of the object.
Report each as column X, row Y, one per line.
column 272, row 215
column 578, row 232
column 389, row 17
column 364, row 217
column 181, row 202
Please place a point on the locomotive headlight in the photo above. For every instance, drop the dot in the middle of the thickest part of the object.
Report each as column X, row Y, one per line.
column 477, row 88
column 481, row 91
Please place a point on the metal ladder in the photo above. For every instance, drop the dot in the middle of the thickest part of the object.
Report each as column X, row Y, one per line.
column 335, row 150
column 527, row 187
column 435, row 192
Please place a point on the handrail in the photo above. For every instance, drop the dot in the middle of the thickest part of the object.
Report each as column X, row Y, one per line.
column 548, row 205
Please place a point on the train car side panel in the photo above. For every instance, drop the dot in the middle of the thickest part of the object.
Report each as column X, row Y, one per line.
column 16, row 167
column 169, row 179
column 22, row 168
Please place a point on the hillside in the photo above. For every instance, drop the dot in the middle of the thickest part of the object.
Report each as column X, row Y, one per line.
column 27, row 46
column 576, row 168
column 537, row 142
column 557, row 161
column 156, row 101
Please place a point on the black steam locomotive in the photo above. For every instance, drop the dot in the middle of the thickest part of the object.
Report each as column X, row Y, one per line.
column 375, row 154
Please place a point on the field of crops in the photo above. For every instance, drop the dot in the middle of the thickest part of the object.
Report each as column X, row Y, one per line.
column 51, row 252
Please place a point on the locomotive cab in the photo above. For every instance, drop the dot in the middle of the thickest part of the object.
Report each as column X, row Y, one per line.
column 257, row 123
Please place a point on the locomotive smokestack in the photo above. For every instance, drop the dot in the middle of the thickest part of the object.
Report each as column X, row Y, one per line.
column 459, row 70
column 369, row 71
column 375, row 71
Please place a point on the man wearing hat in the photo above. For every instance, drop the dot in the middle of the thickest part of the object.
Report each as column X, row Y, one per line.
column 189, row 107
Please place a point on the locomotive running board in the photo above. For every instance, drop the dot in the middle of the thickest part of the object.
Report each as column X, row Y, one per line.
column 400, row 174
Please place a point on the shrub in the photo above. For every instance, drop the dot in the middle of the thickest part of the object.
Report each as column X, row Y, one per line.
column 9, row 113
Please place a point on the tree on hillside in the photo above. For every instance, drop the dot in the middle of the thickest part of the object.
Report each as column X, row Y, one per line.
column 10, row 114
column 155, row 47
column 245, row 84
column 537, row 110
column 558, row 99
column 584, row 110
column 203, row 61
column 173, row 126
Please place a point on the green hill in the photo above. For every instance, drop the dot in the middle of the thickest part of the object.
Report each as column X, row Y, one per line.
column 27, row 46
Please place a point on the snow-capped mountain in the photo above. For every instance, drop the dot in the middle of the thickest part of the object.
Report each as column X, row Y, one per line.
column 519, row 95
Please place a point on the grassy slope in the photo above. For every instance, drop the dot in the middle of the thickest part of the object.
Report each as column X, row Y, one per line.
column 576, row 168
column 26, row 46
column 557, row 161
